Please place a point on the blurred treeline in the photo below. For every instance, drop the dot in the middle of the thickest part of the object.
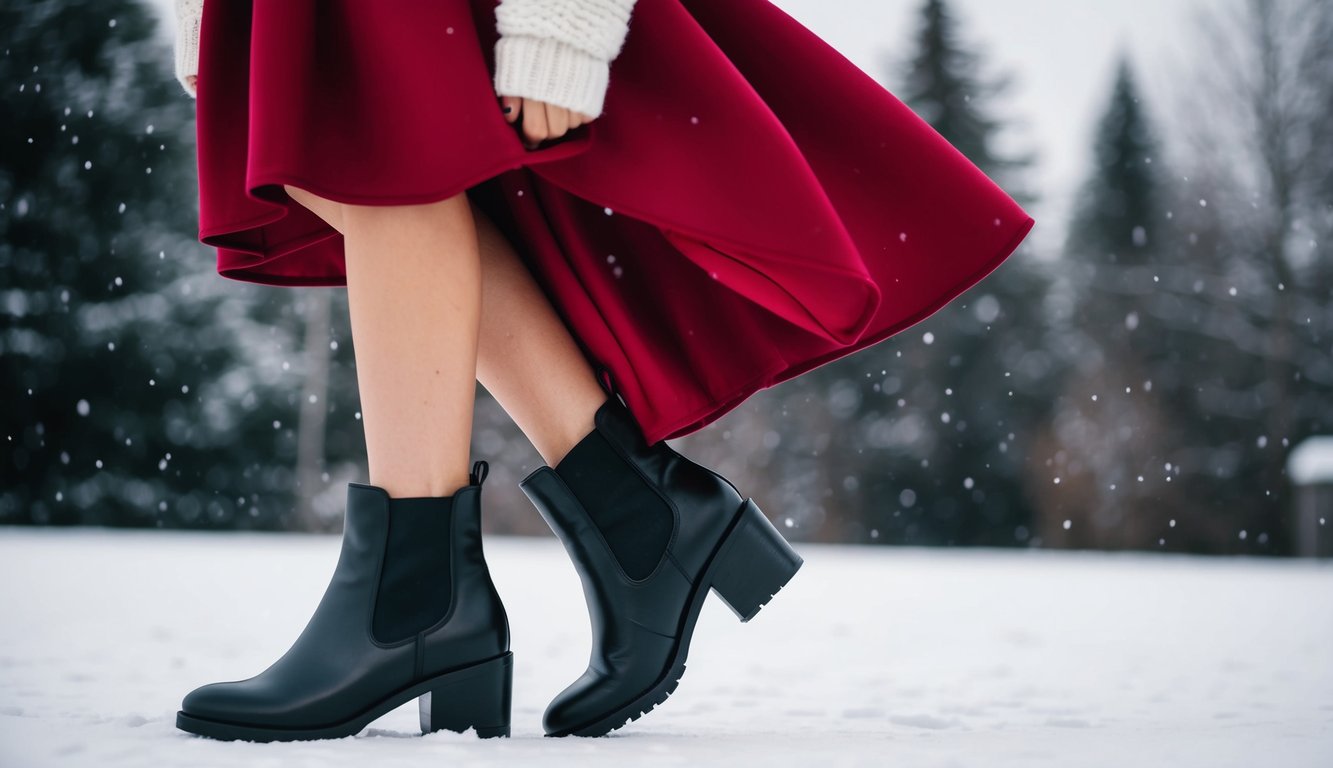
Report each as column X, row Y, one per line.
column 1140, row 388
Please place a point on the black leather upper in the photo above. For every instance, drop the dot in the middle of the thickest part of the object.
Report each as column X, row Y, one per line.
column 702, row 502
column 336, row 666
column 636, row 623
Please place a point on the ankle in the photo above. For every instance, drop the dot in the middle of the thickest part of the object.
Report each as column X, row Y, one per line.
column 402, row 485
column 573, row 431
column 554, row 453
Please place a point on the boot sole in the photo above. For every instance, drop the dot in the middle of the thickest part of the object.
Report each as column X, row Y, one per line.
column 477, row 696
column 749, row 566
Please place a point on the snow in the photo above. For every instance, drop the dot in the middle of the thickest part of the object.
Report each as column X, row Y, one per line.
column 1311, row 461
column 871, row 656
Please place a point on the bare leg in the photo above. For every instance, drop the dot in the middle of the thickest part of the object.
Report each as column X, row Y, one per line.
column 414, row 294
column 526, row 357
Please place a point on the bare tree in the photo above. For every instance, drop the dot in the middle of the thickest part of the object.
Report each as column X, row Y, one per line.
column 1256, row 115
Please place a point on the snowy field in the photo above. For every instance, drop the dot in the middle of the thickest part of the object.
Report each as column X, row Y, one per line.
column 871, row 656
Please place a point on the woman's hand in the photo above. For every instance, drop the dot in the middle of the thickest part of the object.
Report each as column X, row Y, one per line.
column 541, row 121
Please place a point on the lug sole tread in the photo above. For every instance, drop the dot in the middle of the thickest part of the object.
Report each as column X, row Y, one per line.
column 649, row 700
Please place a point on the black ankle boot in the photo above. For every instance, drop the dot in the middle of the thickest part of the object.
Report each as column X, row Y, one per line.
column 410, row 612
column 650, row 532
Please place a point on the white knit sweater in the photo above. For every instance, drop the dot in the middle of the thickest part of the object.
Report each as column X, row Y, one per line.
column 557, row 51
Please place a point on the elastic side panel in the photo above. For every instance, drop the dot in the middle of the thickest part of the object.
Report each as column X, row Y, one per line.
column 414, row 584
column 633, row 519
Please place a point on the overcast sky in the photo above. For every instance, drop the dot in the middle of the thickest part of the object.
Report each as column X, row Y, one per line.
column 1061, row 52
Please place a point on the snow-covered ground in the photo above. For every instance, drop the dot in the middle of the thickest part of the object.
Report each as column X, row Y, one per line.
column 871, row 656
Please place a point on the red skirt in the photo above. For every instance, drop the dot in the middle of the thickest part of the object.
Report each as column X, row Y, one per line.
column 749, row 206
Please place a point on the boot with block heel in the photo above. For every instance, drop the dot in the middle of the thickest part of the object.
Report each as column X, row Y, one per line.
column 650, row 533
column 410, row 612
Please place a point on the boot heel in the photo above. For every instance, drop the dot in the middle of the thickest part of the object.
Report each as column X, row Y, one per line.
column 476, row 697
column 753, row 563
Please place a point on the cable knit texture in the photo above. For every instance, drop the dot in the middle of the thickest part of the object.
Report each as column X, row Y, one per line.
column 557, row 51
column 188, row 15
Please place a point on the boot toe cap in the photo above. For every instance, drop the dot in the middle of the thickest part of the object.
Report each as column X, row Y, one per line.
column 588, row 701
column 217, row 701
column 585, row 701
column 245, row 702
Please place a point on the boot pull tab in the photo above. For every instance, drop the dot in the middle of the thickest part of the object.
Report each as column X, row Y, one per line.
column 479, row 471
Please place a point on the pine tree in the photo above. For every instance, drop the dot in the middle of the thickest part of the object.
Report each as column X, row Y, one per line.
column 1122, row 200
column 942, row 82
column 136, row 386
column 973, row 378
column 1116, row 428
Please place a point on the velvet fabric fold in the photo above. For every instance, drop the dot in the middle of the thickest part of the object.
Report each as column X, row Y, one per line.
column 749, row 206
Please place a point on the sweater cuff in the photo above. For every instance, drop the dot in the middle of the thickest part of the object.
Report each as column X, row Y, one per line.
column 187, row 50
column 552, row 71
